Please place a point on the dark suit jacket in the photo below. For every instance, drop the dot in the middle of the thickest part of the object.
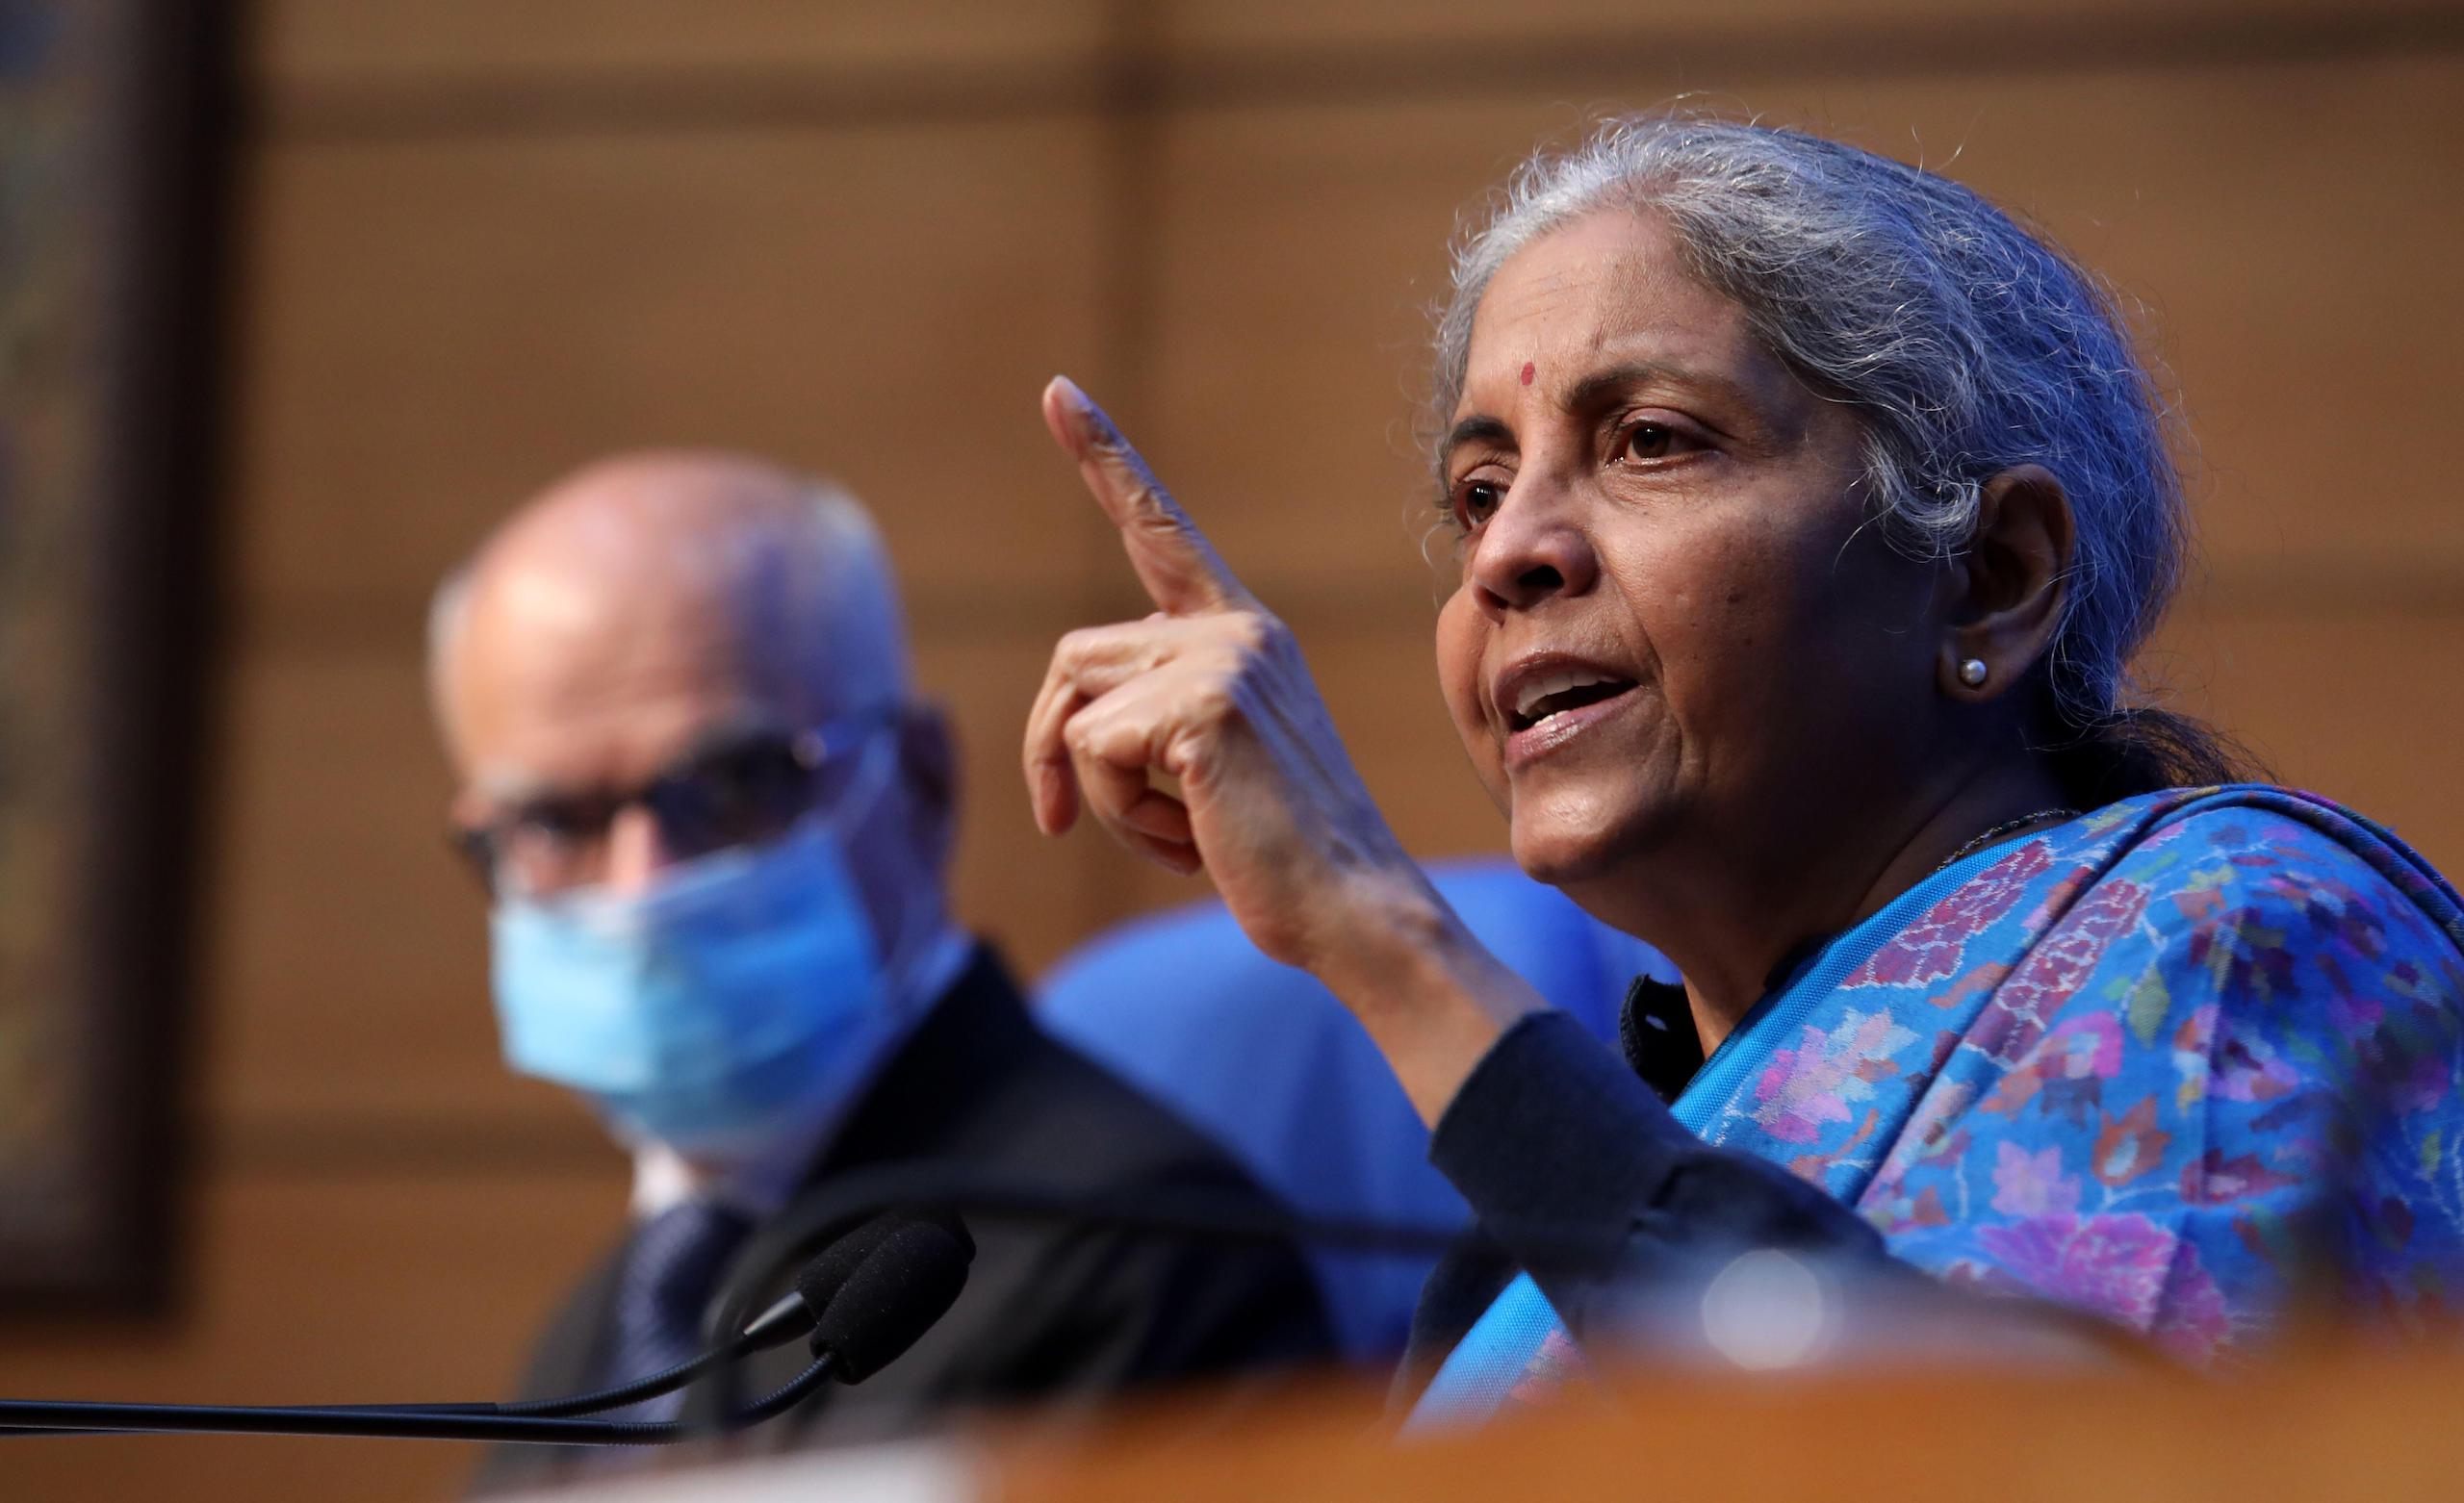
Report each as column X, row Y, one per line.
column 1050, row 1314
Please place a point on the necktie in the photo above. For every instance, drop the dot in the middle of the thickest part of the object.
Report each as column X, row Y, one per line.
column 671, row 1269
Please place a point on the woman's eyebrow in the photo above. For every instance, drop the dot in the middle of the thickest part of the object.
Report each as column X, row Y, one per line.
column 1596, row 387
column 1478, row 429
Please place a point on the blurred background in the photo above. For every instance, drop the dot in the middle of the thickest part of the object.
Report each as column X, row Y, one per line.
column 475, row 242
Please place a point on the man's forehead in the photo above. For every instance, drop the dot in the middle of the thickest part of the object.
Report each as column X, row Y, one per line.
column 553, row 681
column 553, row 630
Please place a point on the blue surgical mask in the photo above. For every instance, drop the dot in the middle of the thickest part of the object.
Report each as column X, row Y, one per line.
column 738, row 993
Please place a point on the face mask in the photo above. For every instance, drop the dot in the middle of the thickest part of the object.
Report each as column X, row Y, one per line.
column 739, row 992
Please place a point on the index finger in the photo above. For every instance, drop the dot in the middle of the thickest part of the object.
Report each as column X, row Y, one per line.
column 1182, row 573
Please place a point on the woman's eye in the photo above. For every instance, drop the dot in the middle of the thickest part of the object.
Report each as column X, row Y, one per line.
column 1476, row 501
column 1649, row 440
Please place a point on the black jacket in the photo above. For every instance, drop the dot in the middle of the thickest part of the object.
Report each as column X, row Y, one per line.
column 1050, row 1314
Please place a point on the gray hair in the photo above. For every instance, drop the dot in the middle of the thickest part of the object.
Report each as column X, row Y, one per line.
column 1966, row 345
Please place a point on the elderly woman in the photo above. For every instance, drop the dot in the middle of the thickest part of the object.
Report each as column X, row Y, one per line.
column 1808, row 511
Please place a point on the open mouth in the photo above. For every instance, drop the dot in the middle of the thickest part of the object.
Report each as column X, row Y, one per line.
column 1551, row 693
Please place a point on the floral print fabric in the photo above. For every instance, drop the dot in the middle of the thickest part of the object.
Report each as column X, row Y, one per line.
column 2164, row 1063
column 2158, row 1064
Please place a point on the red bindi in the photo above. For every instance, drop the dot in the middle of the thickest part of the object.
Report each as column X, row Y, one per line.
column 1527, row 372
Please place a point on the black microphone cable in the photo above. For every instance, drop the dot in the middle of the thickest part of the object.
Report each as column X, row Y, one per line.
column 440, row 1422
column 863, row 1300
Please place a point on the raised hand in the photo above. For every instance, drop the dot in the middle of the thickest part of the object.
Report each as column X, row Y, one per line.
column 1211, row 691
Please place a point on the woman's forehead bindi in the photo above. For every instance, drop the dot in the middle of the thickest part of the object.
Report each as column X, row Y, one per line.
column 1527, row 372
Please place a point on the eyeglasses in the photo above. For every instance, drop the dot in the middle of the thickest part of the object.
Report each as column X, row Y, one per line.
column 747, row 787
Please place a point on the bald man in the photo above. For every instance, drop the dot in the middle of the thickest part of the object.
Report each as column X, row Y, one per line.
column 715, row 825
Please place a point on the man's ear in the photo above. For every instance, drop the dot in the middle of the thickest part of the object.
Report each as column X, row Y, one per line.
column 928, row 765
column 2006, row 592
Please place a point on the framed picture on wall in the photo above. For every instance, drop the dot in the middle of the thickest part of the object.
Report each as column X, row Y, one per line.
column 111, row 179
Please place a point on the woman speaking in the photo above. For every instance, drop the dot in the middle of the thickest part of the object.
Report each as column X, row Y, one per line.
column 1808, row 512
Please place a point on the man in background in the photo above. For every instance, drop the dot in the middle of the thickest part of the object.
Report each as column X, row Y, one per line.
column 715, row 825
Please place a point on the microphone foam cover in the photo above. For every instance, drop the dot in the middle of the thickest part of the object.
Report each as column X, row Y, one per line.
column 819, row 1281
column 908, row 1281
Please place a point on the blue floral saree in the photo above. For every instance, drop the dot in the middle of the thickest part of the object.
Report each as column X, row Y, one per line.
column 2154, row 1064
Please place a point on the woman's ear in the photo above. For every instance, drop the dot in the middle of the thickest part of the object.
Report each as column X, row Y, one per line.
column 2007, row 590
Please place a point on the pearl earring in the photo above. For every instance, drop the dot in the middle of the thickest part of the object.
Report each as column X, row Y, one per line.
column 1972, row 671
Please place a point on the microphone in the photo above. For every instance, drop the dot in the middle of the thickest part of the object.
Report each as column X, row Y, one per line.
column 864, row 1300
column 908, row 1281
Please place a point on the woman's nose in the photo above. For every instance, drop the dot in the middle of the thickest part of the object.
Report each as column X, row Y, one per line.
column 1532, row 549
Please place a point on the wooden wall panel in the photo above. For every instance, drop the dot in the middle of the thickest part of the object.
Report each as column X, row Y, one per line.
column 1299, row 251
column 346, row 44
column 1031, row 897
column 2360, row 701
column 1462, row 27
column 347, row 967
column 438, row 329
column 350, row 1288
